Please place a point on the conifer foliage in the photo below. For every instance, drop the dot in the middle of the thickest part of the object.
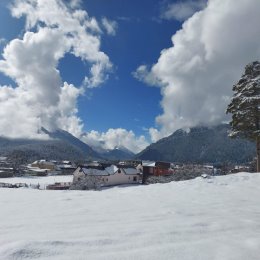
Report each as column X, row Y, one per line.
column 245, row 106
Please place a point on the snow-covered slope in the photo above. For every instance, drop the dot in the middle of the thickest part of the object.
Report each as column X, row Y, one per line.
column 199, row 219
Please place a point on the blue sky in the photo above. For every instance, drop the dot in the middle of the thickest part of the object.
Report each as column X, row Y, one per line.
column 120, row 72
column 122, row 101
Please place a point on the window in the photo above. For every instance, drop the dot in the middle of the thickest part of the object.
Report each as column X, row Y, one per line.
column 135, row 178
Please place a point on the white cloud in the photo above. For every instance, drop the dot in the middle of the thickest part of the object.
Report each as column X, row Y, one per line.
column 68, row 109
column 182, row 10
column 2, row 40
column 40, row 97
column 99, row 75
column 115, row 137
column 207, row 57
column 75, row 3
column 142, row 73
column 110, row 26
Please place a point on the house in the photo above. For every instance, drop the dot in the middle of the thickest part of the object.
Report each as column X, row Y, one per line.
column 240, row 168
column 6, row 172
column 40, row 168
column 35, row 171
column 3, row 159
column 43, row 164
column 6, row 168
column 156, row 168
column 4, row 162
column 133, row 163
column 149, row 168
column 66, row 168
column 101, row 175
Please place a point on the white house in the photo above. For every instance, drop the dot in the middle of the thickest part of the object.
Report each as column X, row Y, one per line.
column 106, row 175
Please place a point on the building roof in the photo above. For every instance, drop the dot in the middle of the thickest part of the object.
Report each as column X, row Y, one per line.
column 108, row 170
column 66, row 162
column 164, row 165
column 131, row 170
column 92, row 164
column 111, row 169
column 148, row 163
column 43, row 162
column 66, row 166
column 35, row 169
column 6, row 168
column 94, row 171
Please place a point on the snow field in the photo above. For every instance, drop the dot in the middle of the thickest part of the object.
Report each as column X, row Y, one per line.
column 198, row 219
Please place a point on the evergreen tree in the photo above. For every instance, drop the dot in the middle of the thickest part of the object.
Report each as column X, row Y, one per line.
column 245, row 107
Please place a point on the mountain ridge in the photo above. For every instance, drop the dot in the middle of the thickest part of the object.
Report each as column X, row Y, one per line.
column 200, row 145
column 61, row 145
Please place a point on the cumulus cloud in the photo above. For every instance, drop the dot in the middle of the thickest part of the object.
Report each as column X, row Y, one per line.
column 67, row 106
column 208, row 55
column 116, row 137
column 182, row 10
column 110, row 26
column 75, row 3
column 142, row 73
column 39, row 96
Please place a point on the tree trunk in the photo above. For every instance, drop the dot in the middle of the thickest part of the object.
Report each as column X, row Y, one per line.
column 258, row 154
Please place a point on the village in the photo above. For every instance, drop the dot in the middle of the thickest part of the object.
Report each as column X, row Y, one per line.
column 95, row 175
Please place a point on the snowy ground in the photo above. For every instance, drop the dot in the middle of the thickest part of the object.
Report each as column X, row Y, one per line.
column 200, row 219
